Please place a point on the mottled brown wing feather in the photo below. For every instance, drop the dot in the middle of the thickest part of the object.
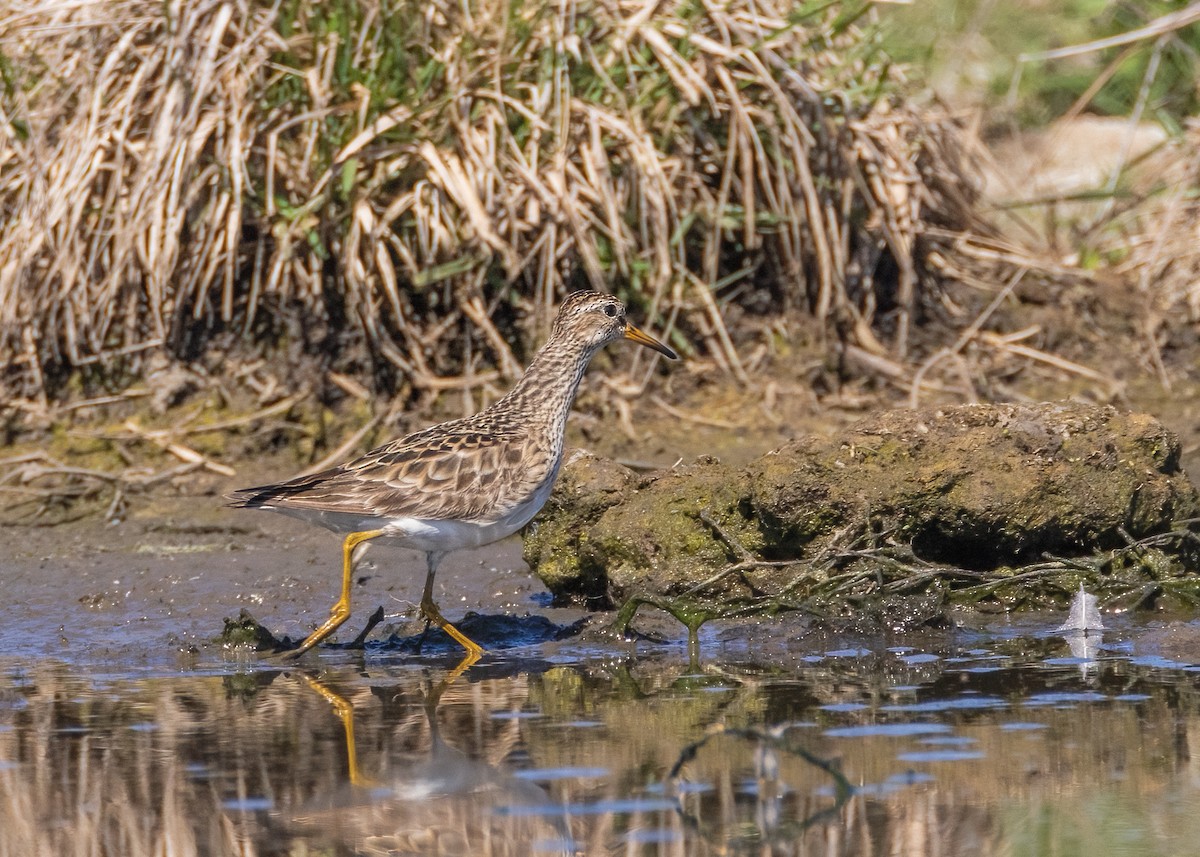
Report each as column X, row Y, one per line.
column 463, row 470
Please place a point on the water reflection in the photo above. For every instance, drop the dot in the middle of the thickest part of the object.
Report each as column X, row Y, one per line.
column 654, row 756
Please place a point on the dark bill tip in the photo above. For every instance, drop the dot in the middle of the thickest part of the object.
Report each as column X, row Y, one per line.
column 643, row 338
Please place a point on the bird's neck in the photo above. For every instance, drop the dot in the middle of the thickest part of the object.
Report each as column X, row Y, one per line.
column 547, row 389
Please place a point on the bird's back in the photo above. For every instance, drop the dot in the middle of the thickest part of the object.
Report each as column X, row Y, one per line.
column 476, row 469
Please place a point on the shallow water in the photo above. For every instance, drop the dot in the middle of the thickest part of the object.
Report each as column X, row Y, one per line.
column 980, row 742
column 994, row 737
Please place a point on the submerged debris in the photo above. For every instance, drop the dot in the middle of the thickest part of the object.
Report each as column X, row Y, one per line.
column 247, row 632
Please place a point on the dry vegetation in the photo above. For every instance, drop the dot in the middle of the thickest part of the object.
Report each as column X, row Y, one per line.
column 402, row 187
column 313, row 201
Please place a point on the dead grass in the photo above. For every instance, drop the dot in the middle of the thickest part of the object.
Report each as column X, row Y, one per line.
column 1157, row 251
column 409, row 188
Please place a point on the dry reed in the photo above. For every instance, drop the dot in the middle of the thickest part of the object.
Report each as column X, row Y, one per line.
column 407, row 188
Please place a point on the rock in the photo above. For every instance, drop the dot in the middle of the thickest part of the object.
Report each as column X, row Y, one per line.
column 608, row 533
column 663, row 538
column 556, row 542
column 977, row 487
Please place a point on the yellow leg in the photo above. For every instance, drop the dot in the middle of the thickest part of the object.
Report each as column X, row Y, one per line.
column 434, row 697
column 431, row 612
column 345, row 713
column 340, row 611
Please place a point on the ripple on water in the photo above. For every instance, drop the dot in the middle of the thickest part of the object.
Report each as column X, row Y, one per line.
column 1038, row 700
column 546, row 775
column 955, row 704
column 755, row 787
column 892, row 785
column 940, row 755
column 681, row 787
column 601, row 807
column 1159, row 662
column 652, row 836
column 248, row 804
column 923, row 658
column 891, row 730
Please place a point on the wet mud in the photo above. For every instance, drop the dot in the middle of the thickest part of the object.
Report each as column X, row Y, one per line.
column 157, row 590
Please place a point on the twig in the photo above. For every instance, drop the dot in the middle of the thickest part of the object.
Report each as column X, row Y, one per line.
column 718, row 325
column 345, row 447
column 186, row 454
column 963, row 338
column 373, row 620
column 472, row 308
column 1158, row 27
column 749, row 562
column 104, row 400
column 698, row 419
column 1052, row 360
column 282, row 406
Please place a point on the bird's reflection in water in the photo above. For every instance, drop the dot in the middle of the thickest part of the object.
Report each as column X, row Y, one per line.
column 772, row 822
column 420, row 792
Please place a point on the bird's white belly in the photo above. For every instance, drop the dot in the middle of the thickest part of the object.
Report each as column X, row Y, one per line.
column 430, row 534
column 444, row 535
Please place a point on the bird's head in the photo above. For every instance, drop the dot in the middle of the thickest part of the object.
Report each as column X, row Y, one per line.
column 598, row 319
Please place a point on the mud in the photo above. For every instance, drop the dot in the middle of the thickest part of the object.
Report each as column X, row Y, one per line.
column 155, row 590
column 934, row 503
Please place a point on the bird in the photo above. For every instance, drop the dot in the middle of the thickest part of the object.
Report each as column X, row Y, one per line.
column 462, row 483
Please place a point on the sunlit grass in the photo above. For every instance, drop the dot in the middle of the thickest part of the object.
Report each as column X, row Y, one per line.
column 971, row 50
column 406, row 188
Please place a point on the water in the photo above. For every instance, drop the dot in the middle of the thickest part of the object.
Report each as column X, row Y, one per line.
column 997, row 743
column 124, row 731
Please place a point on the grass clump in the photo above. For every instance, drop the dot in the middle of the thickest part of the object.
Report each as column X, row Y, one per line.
column 401, row 191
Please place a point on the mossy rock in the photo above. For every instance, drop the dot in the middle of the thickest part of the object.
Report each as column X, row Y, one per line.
column 977, row 487
column 608, row 533
column 586, row 487
column 678, row 530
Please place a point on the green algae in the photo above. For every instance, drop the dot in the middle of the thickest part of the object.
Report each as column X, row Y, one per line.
column 247, row 632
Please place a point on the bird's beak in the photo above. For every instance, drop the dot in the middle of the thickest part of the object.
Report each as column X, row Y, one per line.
column 642, row 338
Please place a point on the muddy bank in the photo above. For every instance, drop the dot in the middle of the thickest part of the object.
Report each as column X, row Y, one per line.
column 154, row 591
column 903, row 502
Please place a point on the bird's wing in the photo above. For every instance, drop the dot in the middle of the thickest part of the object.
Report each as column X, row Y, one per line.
column 458, row 470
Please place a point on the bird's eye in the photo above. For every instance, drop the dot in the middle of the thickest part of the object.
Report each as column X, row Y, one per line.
column 610, row 310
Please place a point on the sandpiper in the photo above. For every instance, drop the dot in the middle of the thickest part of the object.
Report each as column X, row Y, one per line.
column 462, row 483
